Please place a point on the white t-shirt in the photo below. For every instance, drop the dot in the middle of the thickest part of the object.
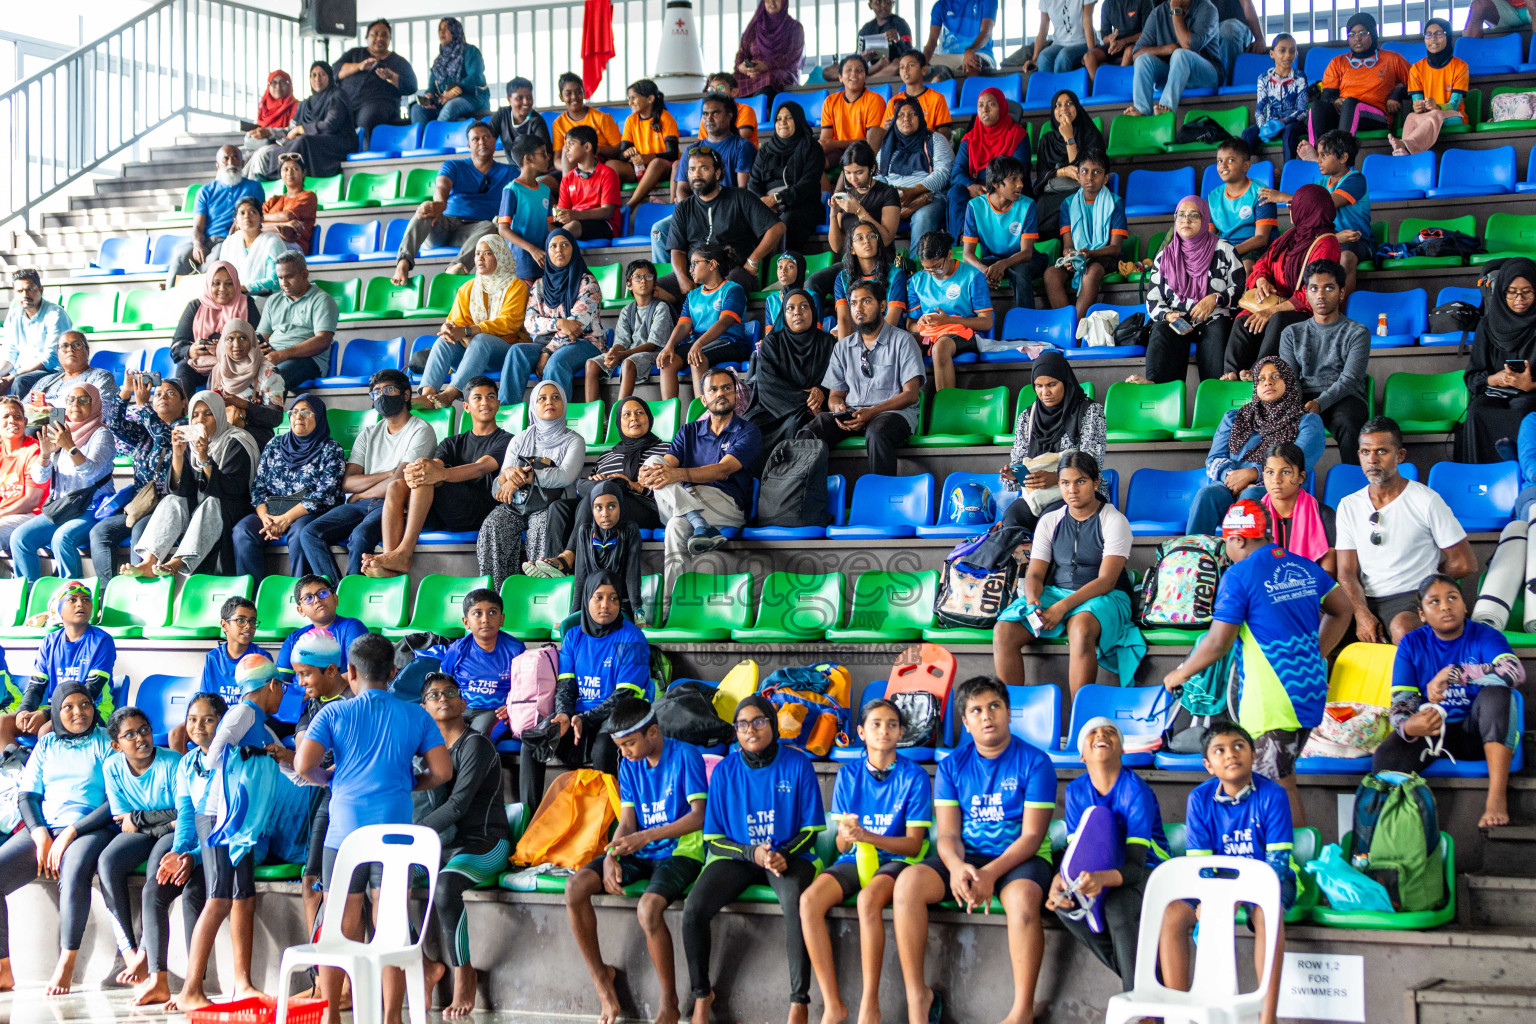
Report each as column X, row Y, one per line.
column 1415, row 527
column 1114, row 531
column 377, row 450
column 1066, row 21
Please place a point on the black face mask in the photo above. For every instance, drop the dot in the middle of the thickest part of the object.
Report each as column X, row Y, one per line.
column 389, row 406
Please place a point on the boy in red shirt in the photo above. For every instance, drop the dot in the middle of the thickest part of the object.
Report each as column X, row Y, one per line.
column 588, row 204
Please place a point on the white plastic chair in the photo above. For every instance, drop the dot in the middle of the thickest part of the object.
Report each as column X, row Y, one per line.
column 364, row 962
column 1214, row 997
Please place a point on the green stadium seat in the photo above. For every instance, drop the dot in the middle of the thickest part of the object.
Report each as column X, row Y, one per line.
column 278, row 872
column 348, row 294
column 443, row 421
column 512, row 418
column 130, row 604
column 276, row 613
column 536, row 607
column 90, row 312
column 439, row 606
column 705, row 607
column 1143, row 412
column 1425, row 403
column 1408, row 231
column 586, row 418
column 385, row 300
column 366, row 190
column 610, row 278
column 820, row 261
column 183, row 215
column 958, row 417
column 38, row 597
column 795, row 608
column 346, row 424
column 441, row 293
column 1411, row 920
column 1506, row 235
column 1234, row 120
column 1499, row 126
column 415, row 189
column 1140, row 136
column 197, row 607
column 888, row 607
column 1213, row 400
column 377, row 603
column 13, row 598
column 326, row 190
column 136, row 309
column 1027, row 399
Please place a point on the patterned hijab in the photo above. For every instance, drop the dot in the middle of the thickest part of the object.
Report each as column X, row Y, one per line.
column 1185, row 263
column 448, row 69
column 1275, row 421
column 486, row 291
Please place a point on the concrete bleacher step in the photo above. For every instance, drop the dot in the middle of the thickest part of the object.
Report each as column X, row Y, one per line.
column 1510, row 851
column 1443, row 1001
column 1500, row 900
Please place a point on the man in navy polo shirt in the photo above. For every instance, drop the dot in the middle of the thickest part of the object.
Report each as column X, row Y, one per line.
column 702, row 483
column 465, row 201
column 213, row 211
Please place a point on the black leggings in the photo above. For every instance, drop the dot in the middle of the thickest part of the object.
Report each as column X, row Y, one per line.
column 595, row 748
column 156, row 906
column 126, row 851
column 1323, row 117
column 1344, row 419
column 1168, row 350
column 1244, row 347
column 18, row 866
column 1115, row 946
column 1487, row 721
column 721, row 882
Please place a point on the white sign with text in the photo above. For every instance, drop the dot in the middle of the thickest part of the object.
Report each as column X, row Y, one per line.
column 1323, row 986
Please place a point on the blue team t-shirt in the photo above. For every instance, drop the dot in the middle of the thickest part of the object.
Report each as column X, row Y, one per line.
column 602, row 664
column 217, row 202
column 999, row 233
column 663, row 794
column 1134, row 806
column 373, row 736
column 475, row 196
column 769, row 805
column 484, row 677
column 895, row 287
column 960, row 22
column 963, row 293
column 88, row 661
column 67, row 774
column 219, row 673
column 1276, row 599
column 344, row 629
column 1237, row 218
column 705, row 308
column 155, row 790
column 887, row 807
column 526, row 210
column 1421, row 655
column 1355, row 214
column 994, row 792
column 1257, row 823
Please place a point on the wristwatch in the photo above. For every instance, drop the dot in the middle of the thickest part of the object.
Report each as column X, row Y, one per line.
column 73, row 449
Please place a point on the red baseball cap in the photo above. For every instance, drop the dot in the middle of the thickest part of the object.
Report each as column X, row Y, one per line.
column 1245, row 519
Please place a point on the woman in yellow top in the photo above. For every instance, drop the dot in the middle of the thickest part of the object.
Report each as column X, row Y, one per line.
column 648, row 147
column 1437, row 85
column 486, row 321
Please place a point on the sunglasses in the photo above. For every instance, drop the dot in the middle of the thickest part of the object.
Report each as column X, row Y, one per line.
column 866, row 367
column 1375, row 521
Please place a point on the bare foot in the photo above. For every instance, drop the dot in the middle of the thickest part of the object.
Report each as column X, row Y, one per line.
column 869, row 1011
column 456, row 268
column 389, row 563
column 701, row 1009
column 1229, row 376
column 170, row 567
column 1158, row 108
column 134, row 967
column 927, row 1003
column 1246, row 375
column 464, row 981
column 668, row 1014
column 608, row 995
column 1137, row 378
column 402, row 273
column 7, row 979
column 154, row 990
column 799, row 1013
column 433, row 972
column 63, row 975
column 186, row 1000
column 1131, row 111
column 1306, row 151
column 1398, row 149
column 246, row 990
column 1495, row 813
column 830, row 1013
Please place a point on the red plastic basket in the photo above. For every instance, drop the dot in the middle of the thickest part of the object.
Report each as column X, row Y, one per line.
column 259, row 1011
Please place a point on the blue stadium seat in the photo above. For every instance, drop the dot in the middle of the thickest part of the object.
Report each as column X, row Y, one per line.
column 1445, row 768
column 160, row 361
column 1045, row 84
column 810, row 102
column 394, row 234
column 361, row 357
column 164, row 699
column 1317, row 59
column 388, row 141
column 117, row 363
column 1297, row 173
column 1347, row 478
column 346, row 243
column 117, row 254
column 640, row 223
column 837, row 504
column 688, row 116
column 1158, row 500
column 1245, row 74
column 550, row 117
column 1448, row 294
column 1111, row 479
column 1529, row 184
column 441, row 138
column 1262, row 172
column 1478, row 172
column 1490, row 55
column 886, row 507
column 1140, row 711
column 1055, row 326
column 949, row 89
column 1153, row 193
column 160, row 248
column 1034, row 716
column 1011, row 86
column 1112, row 84
column 1530, row 59
column 883, row 90
column 1399, row 177
column 943, row 528
column 1407, row 315
column 758, row 105
column 1481, row 496
column 1086, row 352
column 1410, row 52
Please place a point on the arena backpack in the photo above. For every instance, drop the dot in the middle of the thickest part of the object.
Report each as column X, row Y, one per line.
column 811, row 716
column 1396, row 839
column 1180, row 588
column 794, row 485
column 970, row 595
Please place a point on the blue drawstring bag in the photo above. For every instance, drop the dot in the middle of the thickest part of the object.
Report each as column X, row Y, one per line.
column 1345, row 887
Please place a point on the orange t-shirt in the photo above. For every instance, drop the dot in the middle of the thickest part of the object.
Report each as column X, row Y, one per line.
column 746, row 117
column 639, row 133
column 1369, row 85
column 607, row 130
column 849, row 121
column 935, row 109
column 16, row 472
column 1437, row 84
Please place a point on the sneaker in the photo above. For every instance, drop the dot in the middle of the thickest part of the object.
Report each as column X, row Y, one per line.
column 705, row 540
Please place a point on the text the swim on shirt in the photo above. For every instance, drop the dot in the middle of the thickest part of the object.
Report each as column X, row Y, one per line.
column 760, row 826
column 1238, row 843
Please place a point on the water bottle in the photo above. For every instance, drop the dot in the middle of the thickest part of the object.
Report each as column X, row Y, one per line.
column 867, row 859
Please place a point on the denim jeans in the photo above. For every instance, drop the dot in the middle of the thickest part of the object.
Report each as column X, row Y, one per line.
column 63, row 540
column 929, row 218
column 360, row 522
column 659, row 232
column 250, row 549
column 107, row 534
column 1233, row 36
column 483, row 352
column 1183, row 69
column 561, row 367
column 457, row 109
column 1058, row 59
column 1211, row 504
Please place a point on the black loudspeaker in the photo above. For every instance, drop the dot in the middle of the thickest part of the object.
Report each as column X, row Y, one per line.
column 330, row 17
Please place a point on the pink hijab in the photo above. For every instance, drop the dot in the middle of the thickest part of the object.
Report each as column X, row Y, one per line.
column 1185, row 263
column 81, row 430
column 211, row 318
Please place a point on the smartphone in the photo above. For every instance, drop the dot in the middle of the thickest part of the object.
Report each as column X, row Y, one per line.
column 1180, row 325
column 1515, row 365
column 840, row 196
column 55, row 416
column 846, row 415
column 1019, row 471
column 152, row 379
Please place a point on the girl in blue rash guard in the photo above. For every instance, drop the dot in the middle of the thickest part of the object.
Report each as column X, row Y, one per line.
column 64, row 803
column 141, row 794
column 760, row 824
column 173, row 866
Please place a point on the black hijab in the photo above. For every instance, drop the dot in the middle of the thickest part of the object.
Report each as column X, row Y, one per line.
column 764, row 757
column 788, row 363
column 1053, row 151
column 785, row 291
column 907, row 154
column 589, row 625
column 1441, row 59
column 320, row 104
column 633, row 449
column 1367, row 22
column 1048, row 426
column 1505, row 333
column 560, row 287
column 776, row 155
column 56, row 711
